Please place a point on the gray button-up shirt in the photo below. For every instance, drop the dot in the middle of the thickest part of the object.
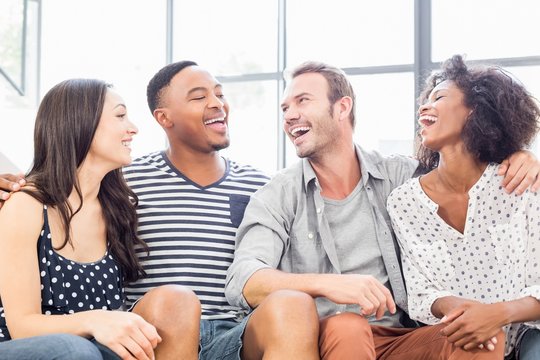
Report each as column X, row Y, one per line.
column 285, row 227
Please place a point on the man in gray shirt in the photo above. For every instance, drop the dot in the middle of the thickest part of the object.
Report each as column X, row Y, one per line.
column 321, row 227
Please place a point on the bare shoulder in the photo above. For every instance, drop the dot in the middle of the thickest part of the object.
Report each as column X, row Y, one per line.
column 21, row 201
column 21, row 215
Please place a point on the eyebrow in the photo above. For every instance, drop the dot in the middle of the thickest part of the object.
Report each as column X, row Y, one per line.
column 202, row 88
column 297, row 96
column 123, row 105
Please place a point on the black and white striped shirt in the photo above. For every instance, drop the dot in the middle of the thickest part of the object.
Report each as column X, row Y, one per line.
column 189, row 229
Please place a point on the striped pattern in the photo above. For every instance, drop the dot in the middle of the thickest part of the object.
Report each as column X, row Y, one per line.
column 190, row 230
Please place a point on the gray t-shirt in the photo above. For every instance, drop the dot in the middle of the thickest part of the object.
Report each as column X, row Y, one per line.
column 352, row 227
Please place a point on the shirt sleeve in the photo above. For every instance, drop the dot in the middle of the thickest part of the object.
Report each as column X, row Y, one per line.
column 532, row 267
column 260, row 241
column 422, row 290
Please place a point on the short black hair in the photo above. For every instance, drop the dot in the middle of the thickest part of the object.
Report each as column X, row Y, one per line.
column 161, row 80
column 504, row 117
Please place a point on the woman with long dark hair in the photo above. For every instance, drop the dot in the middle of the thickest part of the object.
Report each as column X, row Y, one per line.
column 67, row 240
column 470, row 250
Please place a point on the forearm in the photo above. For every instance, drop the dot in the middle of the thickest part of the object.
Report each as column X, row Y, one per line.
column 80, row 323
column 265, row 281
column 520, row 310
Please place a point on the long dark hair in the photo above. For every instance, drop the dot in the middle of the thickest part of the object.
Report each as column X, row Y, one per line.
column 65, row 125
column 504, row 117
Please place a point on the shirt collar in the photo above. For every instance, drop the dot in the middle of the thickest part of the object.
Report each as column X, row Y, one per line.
column 368, row 167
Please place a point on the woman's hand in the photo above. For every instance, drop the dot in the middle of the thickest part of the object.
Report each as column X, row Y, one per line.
column 125, row 333
column 473, row 325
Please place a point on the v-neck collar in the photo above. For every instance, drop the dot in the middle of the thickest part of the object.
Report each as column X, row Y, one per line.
column 473, row 191
column 191, row 182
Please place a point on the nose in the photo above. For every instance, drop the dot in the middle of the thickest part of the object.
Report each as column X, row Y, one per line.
column 291, row 114
column 424, row 107
column 216, row 101
column 132, row 129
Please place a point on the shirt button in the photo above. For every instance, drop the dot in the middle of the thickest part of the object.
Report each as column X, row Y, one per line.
column 318, row 210
column 310, row 236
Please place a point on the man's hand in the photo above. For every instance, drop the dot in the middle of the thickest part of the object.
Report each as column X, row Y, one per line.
column 8, row 184
column 473, row 325
column 520, row 171
column 364, row 290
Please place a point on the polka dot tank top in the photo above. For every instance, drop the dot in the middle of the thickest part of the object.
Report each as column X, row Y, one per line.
column 68, row 286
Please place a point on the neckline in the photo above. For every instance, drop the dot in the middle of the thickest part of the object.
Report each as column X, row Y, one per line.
column 191, row 182
column 434, row 207
column 47, row 235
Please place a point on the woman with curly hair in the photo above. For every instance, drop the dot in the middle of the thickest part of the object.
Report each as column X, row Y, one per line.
column 470, row 250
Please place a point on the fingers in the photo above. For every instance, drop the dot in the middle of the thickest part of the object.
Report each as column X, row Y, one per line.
column 503, row 168
column 520, row 173
column 489, row 345
column 121, row 351
column 522, row 180
column 473, row 342
column 139, row 346
column 377, row 298
column 151, row 334
column 451, row 316
column 10, row 182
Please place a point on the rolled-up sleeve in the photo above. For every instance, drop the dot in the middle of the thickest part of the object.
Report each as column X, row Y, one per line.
column 261, row 240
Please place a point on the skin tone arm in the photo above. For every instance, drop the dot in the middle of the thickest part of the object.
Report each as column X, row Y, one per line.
column 471, row 323
column 363, row 290
column 125, row 333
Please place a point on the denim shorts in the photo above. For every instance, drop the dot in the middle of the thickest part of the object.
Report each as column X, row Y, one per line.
column 221, row 339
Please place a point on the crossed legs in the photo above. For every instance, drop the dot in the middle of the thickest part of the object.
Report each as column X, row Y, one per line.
column 349, row 336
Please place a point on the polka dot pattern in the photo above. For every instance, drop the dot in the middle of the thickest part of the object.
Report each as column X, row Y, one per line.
column 68, row 286
column 495, row 259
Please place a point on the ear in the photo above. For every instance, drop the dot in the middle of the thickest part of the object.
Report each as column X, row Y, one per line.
column 345, row 105
column 161, row 117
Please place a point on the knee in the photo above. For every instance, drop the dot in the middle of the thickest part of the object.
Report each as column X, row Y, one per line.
column 289, row 305
column 344, row 326
column 169, row 303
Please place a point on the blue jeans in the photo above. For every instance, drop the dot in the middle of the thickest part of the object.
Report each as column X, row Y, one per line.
column 221, row 339
column 529, row 348
column 54, row 347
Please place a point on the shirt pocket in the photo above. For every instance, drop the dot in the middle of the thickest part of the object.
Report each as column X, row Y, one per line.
column 237, row 206
column 508, row 242
column 307, row 253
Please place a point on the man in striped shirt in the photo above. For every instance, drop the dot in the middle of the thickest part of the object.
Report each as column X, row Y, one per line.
column 191, row 201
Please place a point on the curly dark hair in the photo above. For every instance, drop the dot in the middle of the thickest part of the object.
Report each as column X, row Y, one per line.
column 161, row 80
column 504, row 117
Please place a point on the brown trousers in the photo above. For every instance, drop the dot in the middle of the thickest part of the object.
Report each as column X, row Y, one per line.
column 349, row 336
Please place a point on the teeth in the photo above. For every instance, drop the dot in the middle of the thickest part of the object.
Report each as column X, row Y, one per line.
column 211, row 121
column 427, row 118
column 297, row 129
